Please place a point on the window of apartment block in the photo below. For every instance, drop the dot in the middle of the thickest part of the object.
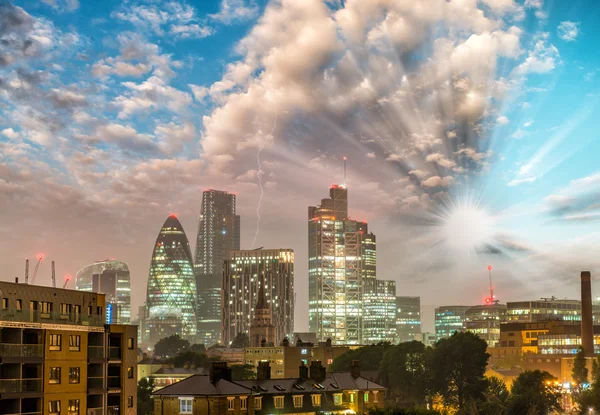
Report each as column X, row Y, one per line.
column 65, row 308
column 337, row 398
column 366, row 397
column 298, row 401
column 130, row 401
column 89, row 310
column 185, row 405
column 130, row 343
column 278, row 400
column 99, row 311
column 19, row 305
column 46, row 307
column 54, row 407
column 130, row 372
column 329, row 361
column 55, row 341
column 375, row 396
column 73, row 406
column 243, row 403
column 351, row 397
column 74, row 342
column 55, row 375
column 279, row 372
column 258, row 402
column 316, row 400
column 4, row 303
column 74, row 375
column 231, row 403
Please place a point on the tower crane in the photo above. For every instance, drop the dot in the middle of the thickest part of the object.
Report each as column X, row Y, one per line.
column 37, row 266
column 67, row 279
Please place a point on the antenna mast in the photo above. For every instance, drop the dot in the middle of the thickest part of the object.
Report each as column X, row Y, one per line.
column 53, row 276
column 491, row 286
column 345, row 172
column 26, row 271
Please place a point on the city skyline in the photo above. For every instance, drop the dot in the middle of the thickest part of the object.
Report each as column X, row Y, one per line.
column 470, row 135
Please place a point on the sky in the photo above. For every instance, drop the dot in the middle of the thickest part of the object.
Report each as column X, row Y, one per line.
column 470, row 129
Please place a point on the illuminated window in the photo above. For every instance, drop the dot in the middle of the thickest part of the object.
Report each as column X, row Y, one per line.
column 130, row 343
column 54, row 375
column 278, row 401
column 316, row 400
column 258, row 402
column 73, row 406
column 231, row 403
column 375, row 396
column 298, row 401
column 54, row 407
column 366, row 397
column 243, row 403
column 337, row 398
column 4, row 303
column 185, row 405
column 130, row 401
column 74, row 375
column 351, row 397
column 130, row 372
column 74, row 343
column 19, row 305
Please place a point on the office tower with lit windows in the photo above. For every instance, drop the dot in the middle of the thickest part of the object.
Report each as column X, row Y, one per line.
column 243, row 275
column 171, row 295
column 449, row 319
column 342, row 258
column 111, row 278
column 408, row 318
column 379, row 320
column 484, row 320
column 218, row 236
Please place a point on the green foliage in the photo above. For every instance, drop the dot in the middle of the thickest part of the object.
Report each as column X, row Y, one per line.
column 403, row 411
column 534, row 393
column 580, row 371
column 242, row 372
column 369, row 357
column 458, row 369
column 191, row 359
column 145, row 404
column 495, row 398
column 198, row 348
column 405, row 370
column 170, row 346
column 241, row 340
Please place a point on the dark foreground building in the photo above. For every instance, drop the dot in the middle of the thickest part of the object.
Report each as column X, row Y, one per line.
column 312, row 392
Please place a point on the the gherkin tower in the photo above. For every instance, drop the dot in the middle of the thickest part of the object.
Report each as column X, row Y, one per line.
column 171, row 297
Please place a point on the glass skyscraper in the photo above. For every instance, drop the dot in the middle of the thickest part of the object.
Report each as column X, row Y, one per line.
column 379, row 321
column 111, row 278
column 218, row 235
column 408, row 318
column 243, row 274
column 171, row 296
column 449, row 319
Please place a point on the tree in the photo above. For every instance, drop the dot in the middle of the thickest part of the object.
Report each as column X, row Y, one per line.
column 404, row 369
column 198, row 348
column 170, row 346
column 580, row 370
column 534, row 393
column 369, row 357
column 191, row 359
column 241, row 340
column 145, row 405
column 495, row 398
column 458, row 367
column 242, row 372
column 403, row 411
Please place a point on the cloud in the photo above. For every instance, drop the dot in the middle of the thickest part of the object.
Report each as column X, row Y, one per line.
column 578, row 201
column 63, row 5
column 503, row 120
column 126, row 137
column 173, row 137
column 236, row 11
column 541, row 59
column 150, row 95
column 517, row 182
column 440, row 160
column 437, row 181
column 10, row 133
column 568, row 31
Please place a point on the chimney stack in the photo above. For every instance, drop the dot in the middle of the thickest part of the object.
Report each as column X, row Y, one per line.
column 219, row 371
column 303, row 371
column 587, row 325
column 263, row 372
column 355, row 369
column 317, row 372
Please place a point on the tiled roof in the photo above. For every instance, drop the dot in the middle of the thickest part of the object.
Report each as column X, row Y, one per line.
column 179, row 371
column 151, row 361
column 334, row 382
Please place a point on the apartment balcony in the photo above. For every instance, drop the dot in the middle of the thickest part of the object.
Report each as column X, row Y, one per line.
column 114, row 382
column 96, row 352
column 114, row 353
column 26, row 413
column 10, row 350
column 95, row 411
column 20, row 385
column 28, row 316
column 113, row 410
column 95, row 383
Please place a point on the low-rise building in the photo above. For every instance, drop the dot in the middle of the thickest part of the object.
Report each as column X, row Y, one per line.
column 233, row 355
column 313, row 391
column 58, row 356
column 164, row 374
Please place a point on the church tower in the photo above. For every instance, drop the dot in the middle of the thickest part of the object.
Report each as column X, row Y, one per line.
column 262, row 331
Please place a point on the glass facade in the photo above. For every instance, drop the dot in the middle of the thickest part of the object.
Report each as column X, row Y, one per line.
column 379, row 311
column 449, row 319
column 171, row 295
column 550, row 309
column 113, row 279
column 408, row 318
column 563, row 343
column 218, row 235
column 243, row 273
column 484, row 320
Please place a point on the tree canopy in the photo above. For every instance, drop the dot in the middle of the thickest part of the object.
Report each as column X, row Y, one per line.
column 241, row 340
column 369, row 357
column 145, row 405
column 170, row 346
column 534, row 393
column 242, row 372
